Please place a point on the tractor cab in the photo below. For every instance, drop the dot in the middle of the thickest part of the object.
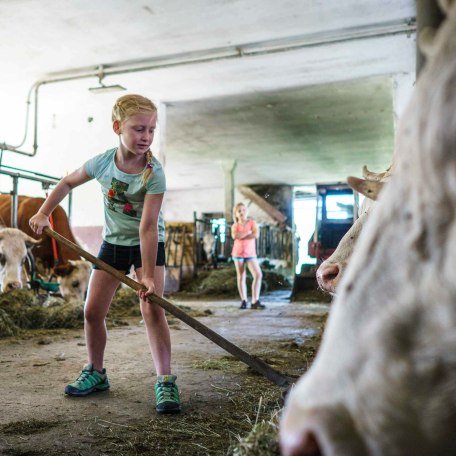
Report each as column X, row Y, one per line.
column 336, row 212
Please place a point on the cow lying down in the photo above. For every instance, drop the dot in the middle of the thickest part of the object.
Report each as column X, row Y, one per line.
column 384, row 379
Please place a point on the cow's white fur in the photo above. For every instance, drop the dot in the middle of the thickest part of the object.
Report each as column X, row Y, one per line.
column 384, row 380
column 13, row 251
column 332, row 269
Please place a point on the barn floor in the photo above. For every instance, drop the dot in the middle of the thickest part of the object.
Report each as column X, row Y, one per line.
column 222, row 398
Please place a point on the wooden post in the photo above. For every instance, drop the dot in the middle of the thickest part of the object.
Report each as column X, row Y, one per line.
column 228, row 169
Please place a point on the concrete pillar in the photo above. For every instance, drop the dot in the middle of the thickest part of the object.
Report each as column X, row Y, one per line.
column 228, row 167
column 428, row 14
column 403, row 85
column 159, row 146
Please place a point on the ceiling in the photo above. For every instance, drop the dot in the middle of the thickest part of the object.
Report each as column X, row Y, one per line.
column 295, row 92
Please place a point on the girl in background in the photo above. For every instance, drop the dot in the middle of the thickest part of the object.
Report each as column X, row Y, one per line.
column 245, row 232
column 133, row 183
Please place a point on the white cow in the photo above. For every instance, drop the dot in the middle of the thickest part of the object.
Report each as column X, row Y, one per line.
column 13, row 252
column 384, row 379
column 72, row 277
column 331, row 270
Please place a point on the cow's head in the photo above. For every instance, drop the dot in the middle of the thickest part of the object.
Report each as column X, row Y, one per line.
column 13, row 252
column 384, row 379
column 73, row 278
column 331, row 270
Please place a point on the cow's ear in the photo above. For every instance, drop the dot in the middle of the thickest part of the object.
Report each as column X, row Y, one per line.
column 426, row 41
column 445, row 5
column 370, row 189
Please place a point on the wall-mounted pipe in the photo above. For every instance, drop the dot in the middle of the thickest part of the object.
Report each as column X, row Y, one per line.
column 209, row 55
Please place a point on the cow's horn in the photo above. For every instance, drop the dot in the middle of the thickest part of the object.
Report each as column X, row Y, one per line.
column 29, row 241
column 370, row 189
column 371, row 176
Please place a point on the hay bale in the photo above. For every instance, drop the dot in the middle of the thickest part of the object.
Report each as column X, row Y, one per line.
column 7, row 326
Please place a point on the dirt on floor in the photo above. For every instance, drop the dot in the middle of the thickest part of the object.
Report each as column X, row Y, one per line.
column 223, row 399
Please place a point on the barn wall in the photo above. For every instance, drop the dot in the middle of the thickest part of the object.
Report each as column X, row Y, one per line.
column 179, row 205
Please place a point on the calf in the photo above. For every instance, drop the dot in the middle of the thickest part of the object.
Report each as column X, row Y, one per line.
column 384, row 379
column 73, row 278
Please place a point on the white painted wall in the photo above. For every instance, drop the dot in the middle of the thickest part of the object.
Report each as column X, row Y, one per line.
column 179, row 205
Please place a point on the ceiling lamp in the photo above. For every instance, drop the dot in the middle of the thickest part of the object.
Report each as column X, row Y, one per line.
column 102, row 88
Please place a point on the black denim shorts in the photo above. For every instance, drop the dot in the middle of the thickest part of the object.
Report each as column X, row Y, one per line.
column 123, row 257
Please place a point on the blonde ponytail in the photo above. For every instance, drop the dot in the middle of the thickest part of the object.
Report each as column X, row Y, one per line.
column 147, row 173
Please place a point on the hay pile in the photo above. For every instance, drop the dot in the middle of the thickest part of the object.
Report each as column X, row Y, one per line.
column 222, row 282
column 7, row 326
column 26, row 310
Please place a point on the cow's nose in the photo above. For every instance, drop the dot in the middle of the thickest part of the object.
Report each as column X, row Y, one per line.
column 305, row 444
column 13, row 286
column 328, row 276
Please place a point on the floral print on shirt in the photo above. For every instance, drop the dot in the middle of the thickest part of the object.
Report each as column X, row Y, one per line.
column 116, row 195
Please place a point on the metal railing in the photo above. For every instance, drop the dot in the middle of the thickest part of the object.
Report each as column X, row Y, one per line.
column 16, row 174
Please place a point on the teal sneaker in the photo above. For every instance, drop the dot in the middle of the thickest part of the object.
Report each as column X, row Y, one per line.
column 167, row 394
column 89, row 381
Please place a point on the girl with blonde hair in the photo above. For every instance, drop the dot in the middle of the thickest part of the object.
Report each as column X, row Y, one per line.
column 132, row 183
column 245, row 232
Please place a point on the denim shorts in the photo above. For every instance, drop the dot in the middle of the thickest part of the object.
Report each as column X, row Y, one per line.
column 123, row 257
column 236, row 258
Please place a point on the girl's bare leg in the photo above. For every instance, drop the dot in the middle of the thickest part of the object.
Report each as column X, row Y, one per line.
column 255, row 270
column 241, row 279
column 102, row 287
column 157, row 326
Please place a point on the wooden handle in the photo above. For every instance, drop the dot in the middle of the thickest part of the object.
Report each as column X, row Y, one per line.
column 255, row 363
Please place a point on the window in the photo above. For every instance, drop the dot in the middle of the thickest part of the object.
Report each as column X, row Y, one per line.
column 339, row 206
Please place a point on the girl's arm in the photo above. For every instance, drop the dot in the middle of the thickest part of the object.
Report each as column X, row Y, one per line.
column 73, row 180
column 255, row 230
column 236, row 235
column 148, row 235
column 233, row 231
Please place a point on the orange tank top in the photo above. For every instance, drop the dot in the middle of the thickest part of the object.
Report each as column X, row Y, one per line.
column 244, row 248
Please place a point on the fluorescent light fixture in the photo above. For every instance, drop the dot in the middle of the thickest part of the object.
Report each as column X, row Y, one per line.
column 104, row 88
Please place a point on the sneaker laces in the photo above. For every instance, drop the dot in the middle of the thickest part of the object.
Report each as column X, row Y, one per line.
column 166, row 392
column 85, row 374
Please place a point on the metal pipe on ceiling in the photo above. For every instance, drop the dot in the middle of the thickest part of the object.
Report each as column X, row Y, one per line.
column 210, row 55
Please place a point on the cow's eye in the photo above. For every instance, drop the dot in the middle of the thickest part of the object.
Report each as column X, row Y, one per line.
column 75, row 283
column 2, row 259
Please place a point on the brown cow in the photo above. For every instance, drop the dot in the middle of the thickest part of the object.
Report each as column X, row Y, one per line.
column 27, row 207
